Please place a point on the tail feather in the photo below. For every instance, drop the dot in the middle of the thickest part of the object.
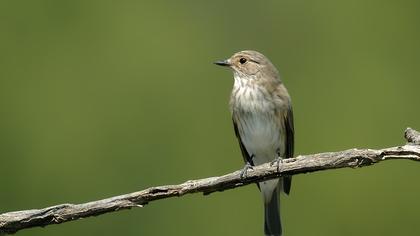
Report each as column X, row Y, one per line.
column 272, row 222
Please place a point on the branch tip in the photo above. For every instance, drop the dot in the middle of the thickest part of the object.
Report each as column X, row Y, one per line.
column 412, row 136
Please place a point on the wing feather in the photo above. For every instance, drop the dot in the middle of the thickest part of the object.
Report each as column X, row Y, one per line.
column 290, row 133
column 247, row 158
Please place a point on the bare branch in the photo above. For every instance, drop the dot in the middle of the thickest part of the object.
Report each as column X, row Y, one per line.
column 12, row 222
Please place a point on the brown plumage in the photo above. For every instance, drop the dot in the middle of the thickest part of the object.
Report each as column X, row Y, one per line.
column 263, row 122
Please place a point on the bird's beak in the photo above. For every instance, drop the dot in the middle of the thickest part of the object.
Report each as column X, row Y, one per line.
column 222, row 63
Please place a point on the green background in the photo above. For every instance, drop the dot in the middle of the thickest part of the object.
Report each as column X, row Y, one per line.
column 101, row 98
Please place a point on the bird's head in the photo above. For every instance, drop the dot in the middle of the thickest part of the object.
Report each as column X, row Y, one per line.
column 250, row 64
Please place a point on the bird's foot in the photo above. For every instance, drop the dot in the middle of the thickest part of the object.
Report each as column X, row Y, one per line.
column 245, row 170
column 278, row 162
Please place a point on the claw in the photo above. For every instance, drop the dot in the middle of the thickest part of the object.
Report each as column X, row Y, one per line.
column 245, row 169
column 278, row 161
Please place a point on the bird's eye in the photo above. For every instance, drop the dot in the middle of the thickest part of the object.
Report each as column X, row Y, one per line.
column 242, row 60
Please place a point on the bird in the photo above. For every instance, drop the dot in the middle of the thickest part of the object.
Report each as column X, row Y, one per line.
column 262, row 118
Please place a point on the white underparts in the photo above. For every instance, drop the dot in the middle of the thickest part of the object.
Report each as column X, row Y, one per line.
column 258, row 124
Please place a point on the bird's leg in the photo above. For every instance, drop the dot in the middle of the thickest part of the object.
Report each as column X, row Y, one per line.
column 278, row 161
column 247, row 166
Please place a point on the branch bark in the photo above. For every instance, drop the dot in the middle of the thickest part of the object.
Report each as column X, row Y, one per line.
column 11, row 222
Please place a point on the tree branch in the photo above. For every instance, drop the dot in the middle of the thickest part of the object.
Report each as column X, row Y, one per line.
column 12, row 222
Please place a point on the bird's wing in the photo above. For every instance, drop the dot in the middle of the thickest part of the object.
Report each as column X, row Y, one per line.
column 290, row 133
column 245, row 154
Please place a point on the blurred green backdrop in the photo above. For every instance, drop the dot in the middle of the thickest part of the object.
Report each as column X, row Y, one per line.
column 100, row 98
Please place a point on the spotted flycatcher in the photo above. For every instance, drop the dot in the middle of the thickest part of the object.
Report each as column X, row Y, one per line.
column 263, row 122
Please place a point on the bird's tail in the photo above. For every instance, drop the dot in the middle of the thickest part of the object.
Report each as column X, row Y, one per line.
column 272, row 222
